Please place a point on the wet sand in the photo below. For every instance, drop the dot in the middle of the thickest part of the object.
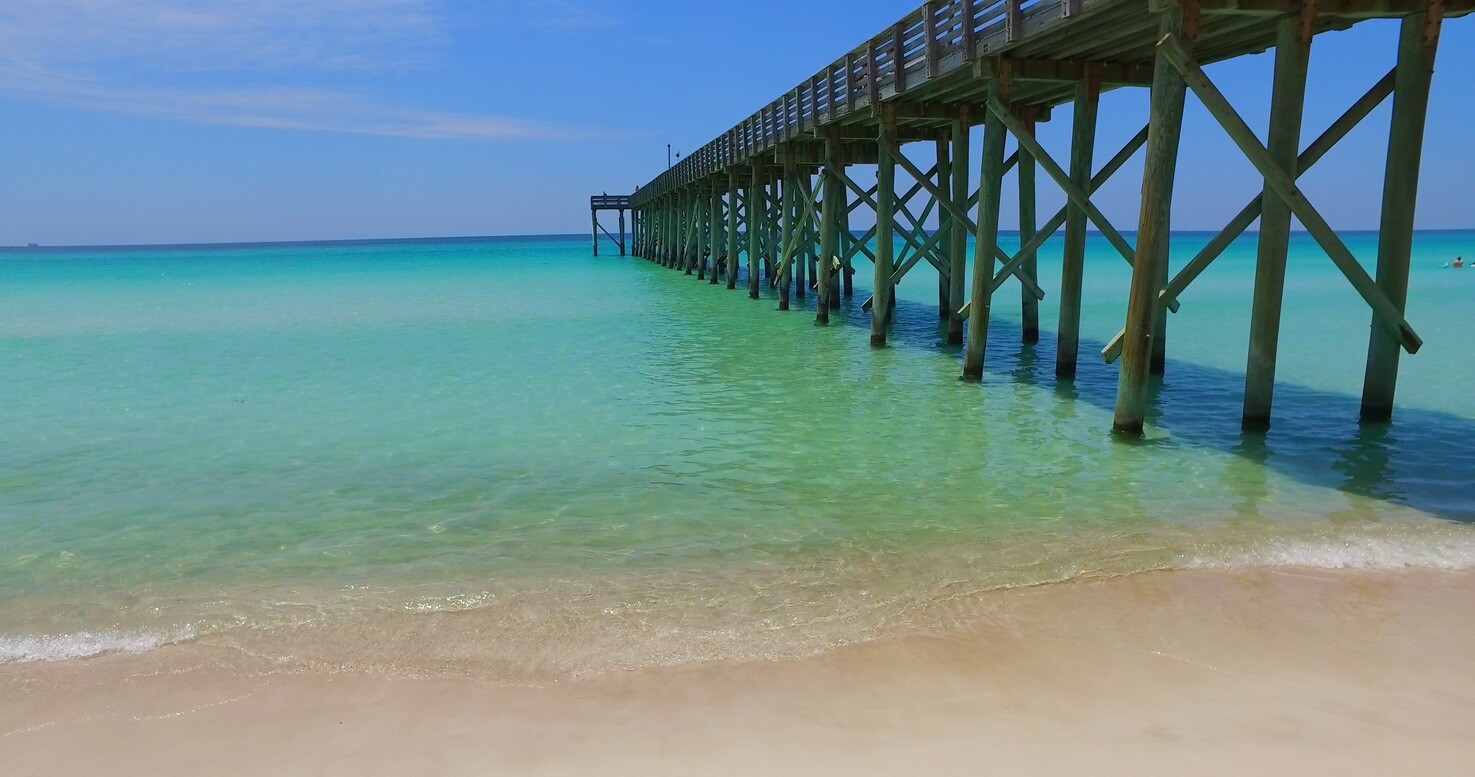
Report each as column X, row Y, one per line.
column 1262, row 672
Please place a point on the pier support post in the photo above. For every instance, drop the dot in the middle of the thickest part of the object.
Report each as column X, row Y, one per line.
column 753, row 205
column 1073, row 261
column 844, row 281
column 1029, row 304
column 732, row 229
column 594, row 228
column 885, row 227
column 788, row 224
column 692, row 245
column 1165, row 126
column 1418, row 38
column 957, row 239
column 944, row 184
column 991, row 181
column 1288, row 96
column 832, row 206
column 806, row 239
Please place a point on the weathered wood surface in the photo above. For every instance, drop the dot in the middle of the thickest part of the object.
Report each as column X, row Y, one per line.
column 929, row 68
column 776, row 187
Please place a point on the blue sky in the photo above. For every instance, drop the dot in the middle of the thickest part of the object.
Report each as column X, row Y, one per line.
column 140, row 121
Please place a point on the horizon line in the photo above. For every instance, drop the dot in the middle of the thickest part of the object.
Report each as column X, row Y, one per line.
column 41, row 248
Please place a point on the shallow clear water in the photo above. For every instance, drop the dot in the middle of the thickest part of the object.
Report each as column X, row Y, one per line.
column 320, row 451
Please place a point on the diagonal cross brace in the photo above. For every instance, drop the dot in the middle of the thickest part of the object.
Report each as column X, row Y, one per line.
column 1032, row 147
column 956, row 210
column 1251, row 211
column 1284, row 186
column 1048, row 230
column 792, row 242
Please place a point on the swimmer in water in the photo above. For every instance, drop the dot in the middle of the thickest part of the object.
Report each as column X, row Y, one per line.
column 1458, row 262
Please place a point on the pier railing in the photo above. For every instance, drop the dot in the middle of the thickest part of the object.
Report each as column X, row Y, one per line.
column 936, row 39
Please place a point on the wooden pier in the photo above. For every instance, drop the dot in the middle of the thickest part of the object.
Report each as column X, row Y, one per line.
column 616, row 202
column 774, row 189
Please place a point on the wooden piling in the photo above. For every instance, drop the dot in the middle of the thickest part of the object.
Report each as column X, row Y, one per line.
column 829, row 235
column 788, row 217
column 1028, row 302
column 1418, row 39
column 944, row 183
column 1165, row 126
column 991, row 181
column 732, row 229
column 1288, row 96
column 753, row 206
column 958, row 234
column 1073, row 261
column 803, row 260
column 885, row 229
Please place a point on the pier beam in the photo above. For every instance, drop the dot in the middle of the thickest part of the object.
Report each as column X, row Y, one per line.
column 991, row 181
column 1417, row 41
column 1073, row 261
column 1288, row 97
column 885, row 228
column 1029, row 304
column 957, row 238
column 1165, row 126
column 803, row 259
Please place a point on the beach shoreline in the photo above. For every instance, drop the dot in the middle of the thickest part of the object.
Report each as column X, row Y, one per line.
column 1268, row 671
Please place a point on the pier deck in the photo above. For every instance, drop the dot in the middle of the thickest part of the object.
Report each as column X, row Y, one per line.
column 774, row 188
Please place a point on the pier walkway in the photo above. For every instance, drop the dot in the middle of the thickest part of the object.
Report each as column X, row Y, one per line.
column 775, row 190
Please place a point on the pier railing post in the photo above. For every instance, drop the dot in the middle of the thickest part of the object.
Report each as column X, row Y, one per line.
column 885, row 227
column 958, row 233
column 1417, row 42
column 1165, row 126
column 1287, row 98
column 991, row 181
column 1073, row 261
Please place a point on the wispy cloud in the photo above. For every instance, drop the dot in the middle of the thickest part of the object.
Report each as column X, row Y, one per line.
column 252, row 63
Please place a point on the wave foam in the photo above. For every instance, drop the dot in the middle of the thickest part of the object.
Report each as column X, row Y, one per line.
column 84, row 644
column 1360, row 552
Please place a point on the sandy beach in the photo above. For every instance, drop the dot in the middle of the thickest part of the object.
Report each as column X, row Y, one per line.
column 1236, row 672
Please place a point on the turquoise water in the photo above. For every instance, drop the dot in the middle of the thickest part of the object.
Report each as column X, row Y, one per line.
column 507, row 457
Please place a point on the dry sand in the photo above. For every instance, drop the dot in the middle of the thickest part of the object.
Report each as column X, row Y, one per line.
column 1259, row 672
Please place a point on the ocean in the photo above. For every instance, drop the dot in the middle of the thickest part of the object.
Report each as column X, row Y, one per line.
column 508, row 459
